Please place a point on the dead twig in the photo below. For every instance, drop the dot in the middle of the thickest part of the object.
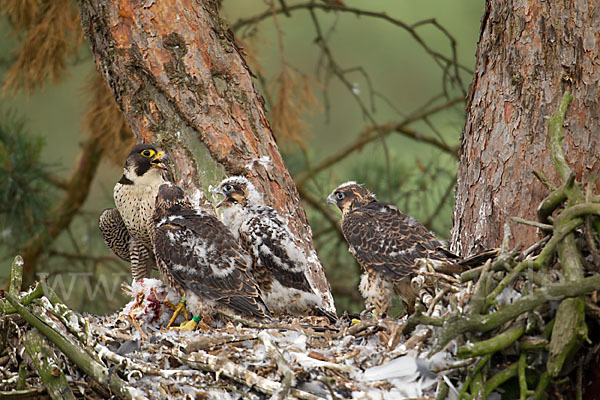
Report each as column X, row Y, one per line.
column 369, row 134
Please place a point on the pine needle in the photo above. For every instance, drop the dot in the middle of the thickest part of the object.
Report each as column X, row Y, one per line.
column 293, row 98
column 21, row 13
column 51, row 34
column 26, row 191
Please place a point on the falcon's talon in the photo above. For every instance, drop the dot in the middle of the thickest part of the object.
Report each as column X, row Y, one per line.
column 177, row 311
column 188, row 326
column 176, row 307
column 169, row 304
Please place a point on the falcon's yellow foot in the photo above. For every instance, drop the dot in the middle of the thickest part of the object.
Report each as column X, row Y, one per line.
column 355, row 321
column 177, row 310
column 189, row 325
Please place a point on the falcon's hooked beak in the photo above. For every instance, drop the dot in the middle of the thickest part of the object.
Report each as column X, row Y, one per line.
column 219, row 204
column 160, row 159
column 218, row 190
column 331, row 200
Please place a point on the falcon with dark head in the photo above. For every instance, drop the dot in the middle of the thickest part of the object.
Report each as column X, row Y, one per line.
column 126, row 229
column 386, row 243
column 279, row 262
column 197, row 255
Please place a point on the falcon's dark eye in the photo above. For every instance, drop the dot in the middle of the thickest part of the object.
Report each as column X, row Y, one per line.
column 148, row 153
column 339, row 195
column 228, row 188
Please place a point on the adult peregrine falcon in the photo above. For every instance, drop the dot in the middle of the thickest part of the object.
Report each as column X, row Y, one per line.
column 199, row 257
column 385, row 242
column 279, row 262
column 126, row 229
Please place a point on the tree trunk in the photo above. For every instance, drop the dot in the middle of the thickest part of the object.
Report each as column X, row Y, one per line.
column 181, row 82
column 529, row 54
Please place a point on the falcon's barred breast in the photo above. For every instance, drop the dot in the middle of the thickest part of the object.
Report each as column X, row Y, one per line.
column 279, row 262
column 385, row 242
column 199, row 257
column 126, row 229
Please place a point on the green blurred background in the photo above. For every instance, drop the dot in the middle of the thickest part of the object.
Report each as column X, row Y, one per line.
column 414, row 175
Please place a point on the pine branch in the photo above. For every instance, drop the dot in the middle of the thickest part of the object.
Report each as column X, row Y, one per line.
column 61, row 215
column 369, row 134
column 27, row 299
column 76, row 353
column 472, row 373
column 539, row 225
column 57, row 181
column 319, row 206
column 456, row 325
column 411, row 29
column 555, row 199
column 16, row 276
column 570, row 328
column 47, row 366
column 340, row 73
column 428, row 223
column 555, row 124
column 498, row 379
column 208, row 362
column 492, row 345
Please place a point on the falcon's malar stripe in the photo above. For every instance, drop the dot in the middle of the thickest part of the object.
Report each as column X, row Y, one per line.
column 125, row 181
column 134, row 196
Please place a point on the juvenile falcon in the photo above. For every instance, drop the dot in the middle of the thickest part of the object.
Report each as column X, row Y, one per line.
column 385, row 242
column 126, row 229
column 279, row 262
column 199, row 257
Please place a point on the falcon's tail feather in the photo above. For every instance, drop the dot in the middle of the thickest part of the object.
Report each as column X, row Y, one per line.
column 479, row 258
column 251, row 306
column 324, row 313
column 448, row 254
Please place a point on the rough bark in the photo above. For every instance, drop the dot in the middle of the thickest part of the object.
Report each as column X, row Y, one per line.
column 179, row 78
column 529, row 54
